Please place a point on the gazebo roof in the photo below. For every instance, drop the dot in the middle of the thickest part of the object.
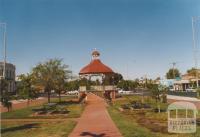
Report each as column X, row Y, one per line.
column 95, row 66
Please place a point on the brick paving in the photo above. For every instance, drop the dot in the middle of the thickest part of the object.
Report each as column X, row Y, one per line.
column 95, row 120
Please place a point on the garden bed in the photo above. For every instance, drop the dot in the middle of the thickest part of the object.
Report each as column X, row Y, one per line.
column 144, row 122
column 68, row 109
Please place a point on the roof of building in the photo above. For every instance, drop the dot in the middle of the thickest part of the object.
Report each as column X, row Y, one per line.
column 7, row 64
column 96, row 66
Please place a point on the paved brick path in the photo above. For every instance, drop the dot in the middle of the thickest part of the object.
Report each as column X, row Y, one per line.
column 95, row 120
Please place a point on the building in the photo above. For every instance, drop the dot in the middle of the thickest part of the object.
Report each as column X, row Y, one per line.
column 9, row 75
column 97, row 69
column 186, row 83
column 167, row 82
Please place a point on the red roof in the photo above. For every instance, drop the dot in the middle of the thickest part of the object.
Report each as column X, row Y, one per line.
column 96, row 67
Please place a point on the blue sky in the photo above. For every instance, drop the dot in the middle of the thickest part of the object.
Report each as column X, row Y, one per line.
column 135, row 37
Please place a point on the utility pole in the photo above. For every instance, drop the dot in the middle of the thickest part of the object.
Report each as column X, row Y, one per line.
column 4, row 43
column 194, row 20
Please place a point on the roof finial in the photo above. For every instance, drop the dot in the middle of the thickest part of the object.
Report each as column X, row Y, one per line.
column 95, row 54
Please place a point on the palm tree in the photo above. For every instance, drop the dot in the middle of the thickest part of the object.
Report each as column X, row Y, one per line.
column 47, row 74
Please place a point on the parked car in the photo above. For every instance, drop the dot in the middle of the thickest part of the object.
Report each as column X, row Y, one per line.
column 171, row 89
column 75, row 92
column 125, row 92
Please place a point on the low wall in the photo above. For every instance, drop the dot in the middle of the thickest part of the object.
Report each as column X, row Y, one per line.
column 183, row 93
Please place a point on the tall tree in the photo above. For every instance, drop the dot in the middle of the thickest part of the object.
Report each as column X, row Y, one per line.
column 117, row 78
column 173, row 73
column 155, row 92
column 128, row 85
column 72, row 85
column 86, row 82
column 194, row 72
column 62, row 74
column 46, row 74
column 25, row 88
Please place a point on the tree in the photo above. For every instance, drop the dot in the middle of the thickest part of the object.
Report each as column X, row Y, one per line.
column 5, row 97
column 173, row 73
column 108, row 80
column 72, row 85
column 194, row 72
column 112, row 79
column 127, row 85
column 46, row 74
column 158, row 78
column 86, row 82
column 157, row 91
column 163, row 91
column 62, row 75
column 117, row 78
column 25, row 88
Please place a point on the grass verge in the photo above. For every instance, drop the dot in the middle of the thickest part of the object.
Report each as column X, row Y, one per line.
column 38, row 129
column 74, row 109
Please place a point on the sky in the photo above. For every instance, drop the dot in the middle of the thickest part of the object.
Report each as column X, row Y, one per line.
column 135, row 37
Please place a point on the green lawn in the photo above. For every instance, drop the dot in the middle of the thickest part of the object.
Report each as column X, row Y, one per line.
column 127, row 125
column 142, row 123
column 74, row 109
column 55, row 100
column 21, row 113
column 50, row 127
column 38, row 129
